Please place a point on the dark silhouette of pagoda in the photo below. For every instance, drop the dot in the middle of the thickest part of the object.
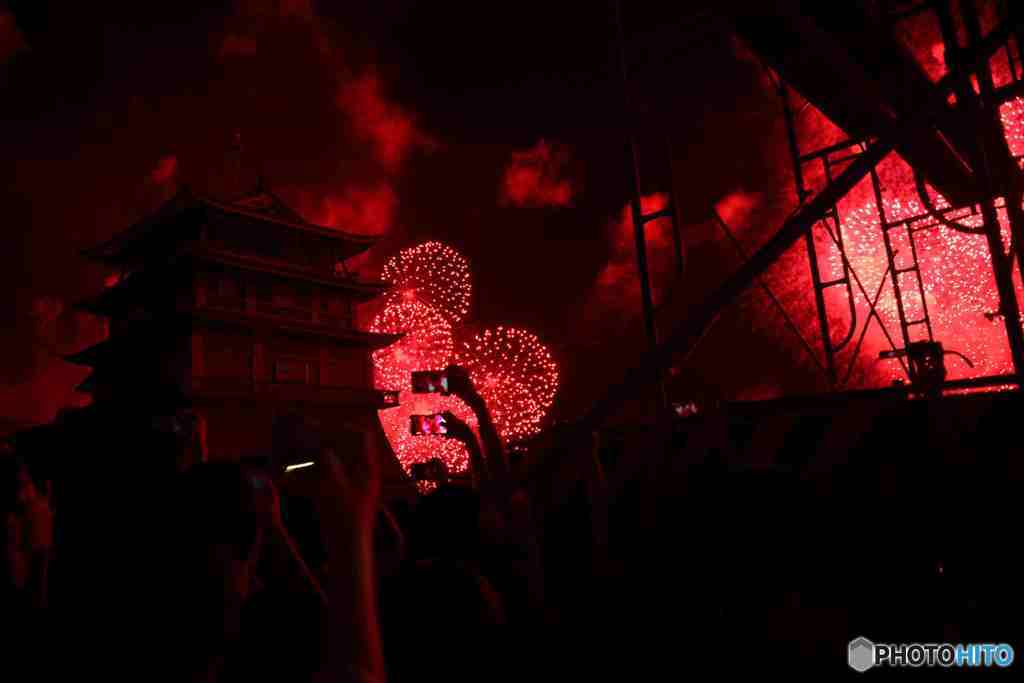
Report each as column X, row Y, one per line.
column 240, row 311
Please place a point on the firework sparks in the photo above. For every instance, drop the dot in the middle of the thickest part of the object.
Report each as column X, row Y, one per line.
column 956, row 270
column 427, row 345
column 413, row 449
column 516, row 375
column 433, row 273
column 511, row 368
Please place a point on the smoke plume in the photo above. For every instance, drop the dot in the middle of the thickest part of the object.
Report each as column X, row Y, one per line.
column 11, row 40
column 391, row 131
column 538, row 177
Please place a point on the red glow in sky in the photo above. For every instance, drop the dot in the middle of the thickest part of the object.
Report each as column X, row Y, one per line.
column 11, row 41
column 391, row 131
column 362, row 210
column 956, row 270
column 434, row 273
column 617, row 287
column 238, row 45
column 538, row 177
column 165, row 171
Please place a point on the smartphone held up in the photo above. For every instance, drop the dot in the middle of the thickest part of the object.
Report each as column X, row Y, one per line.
column 426, row 425
column 430, row 382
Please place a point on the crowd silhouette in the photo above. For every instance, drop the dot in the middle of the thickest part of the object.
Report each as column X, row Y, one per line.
column 589, row 555
column 253, row 569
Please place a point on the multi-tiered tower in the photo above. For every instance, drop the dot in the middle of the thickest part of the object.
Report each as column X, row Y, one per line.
column 239, row 310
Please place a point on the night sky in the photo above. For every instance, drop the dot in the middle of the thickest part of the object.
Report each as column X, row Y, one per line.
column 397, row 117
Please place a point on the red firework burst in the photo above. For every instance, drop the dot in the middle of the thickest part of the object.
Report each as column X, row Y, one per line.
column 413, row 449
column 516, row 375
column 512, row 368
column 427, row 344
column 433, row 273
column 956, row 270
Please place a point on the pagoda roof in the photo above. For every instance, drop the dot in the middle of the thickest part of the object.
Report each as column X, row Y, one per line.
column 266, row 202
column 87, row 385
column 115, row 298
column 114, row 350
column 111, row 348
column 363, row 290
column 260, row 207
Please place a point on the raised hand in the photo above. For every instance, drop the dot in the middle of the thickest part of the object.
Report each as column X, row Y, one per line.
column 266, row 502
column 348, row 497
column 459, row 383
column 344, row 487
column 457, row 429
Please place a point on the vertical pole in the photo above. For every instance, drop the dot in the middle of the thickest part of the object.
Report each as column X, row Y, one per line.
column 812, row 253
column 636, row 207
column 1002, row 266
column 883, row 223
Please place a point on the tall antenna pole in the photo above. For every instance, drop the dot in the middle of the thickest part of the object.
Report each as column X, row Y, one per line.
column 636, row 206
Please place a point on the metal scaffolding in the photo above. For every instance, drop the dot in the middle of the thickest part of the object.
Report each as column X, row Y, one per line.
column 850, row 66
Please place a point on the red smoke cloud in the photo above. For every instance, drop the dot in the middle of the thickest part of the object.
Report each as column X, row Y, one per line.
column 165, row 172
column 254, row 18
column 537, row 177
column 238, row 45
column 34, row 382
column 736, row 209
column 300, row 9
column 618, row 284
column 391, row 131
column 659, row 235
column 362, row 210
column 11, row 41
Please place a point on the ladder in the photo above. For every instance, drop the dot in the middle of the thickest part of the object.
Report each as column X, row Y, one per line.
column 895, row 272
column 832, row 224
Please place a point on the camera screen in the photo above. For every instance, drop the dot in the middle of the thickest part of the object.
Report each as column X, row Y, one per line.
column 429, row 382
column 427, row 424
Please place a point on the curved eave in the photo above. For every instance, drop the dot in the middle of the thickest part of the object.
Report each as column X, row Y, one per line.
column 122, row 246
column 358, row 243
column 93, row 355
column 363, row 290
column 107, row 302
column 87, row 385
column 114, row 250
